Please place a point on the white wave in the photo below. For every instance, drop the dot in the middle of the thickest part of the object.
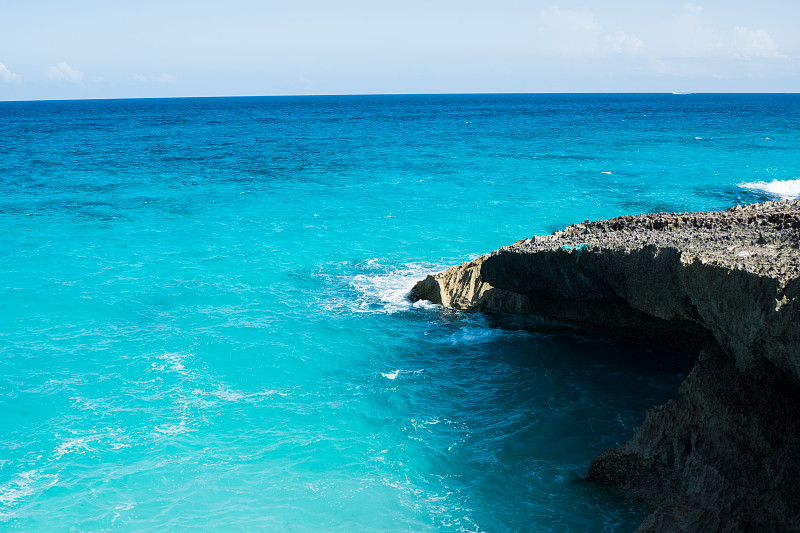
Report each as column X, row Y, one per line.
column 228, row 395
column 786, row 189
column 394, row 373
column 121, row 508
column 387, row 291
column 171, row 429
column 473, row 335
column 45, row 467
column 77, row 445
column 173, row 362
column 24, row 485
column 476, row 329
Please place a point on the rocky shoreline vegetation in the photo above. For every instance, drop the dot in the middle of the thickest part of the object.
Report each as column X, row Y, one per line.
column 723, row 286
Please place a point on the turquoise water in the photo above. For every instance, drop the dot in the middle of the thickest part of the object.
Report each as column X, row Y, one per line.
column 204, row 316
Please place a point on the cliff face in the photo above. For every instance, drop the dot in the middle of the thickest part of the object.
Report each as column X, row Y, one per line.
column 725, row 456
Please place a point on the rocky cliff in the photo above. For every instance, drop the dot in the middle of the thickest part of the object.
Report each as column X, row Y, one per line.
column 725, row 455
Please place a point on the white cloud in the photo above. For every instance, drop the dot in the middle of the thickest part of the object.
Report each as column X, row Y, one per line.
column 688, row 36
column 693, row 48
column 577, row 33
column 623, row 43
column 684, row 67
column 748, row 44
column 161, row 78
column 569, row 33
column 63, row 72
column 165, row 78
column 6, row 76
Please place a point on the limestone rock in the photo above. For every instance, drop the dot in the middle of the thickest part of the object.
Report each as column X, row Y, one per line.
column 725, row 456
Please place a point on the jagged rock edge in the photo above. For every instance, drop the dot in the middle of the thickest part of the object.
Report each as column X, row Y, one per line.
column 705, row 461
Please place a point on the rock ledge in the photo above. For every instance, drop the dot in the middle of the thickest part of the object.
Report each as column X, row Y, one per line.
column 724, row 456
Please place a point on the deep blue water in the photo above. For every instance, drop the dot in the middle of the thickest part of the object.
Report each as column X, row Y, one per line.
column 204, row 324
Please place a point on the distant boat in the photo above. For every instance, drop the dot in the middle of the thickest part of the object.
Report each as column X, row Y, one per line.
column 682, row 93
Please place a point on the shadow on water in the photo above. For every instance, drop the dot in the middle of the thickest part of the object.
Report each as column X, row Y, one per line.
column 535, row 402
column 634, row 354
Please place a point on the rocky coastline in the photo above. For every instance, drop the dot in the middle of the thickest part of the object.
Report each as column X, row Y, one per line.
column 723, row 286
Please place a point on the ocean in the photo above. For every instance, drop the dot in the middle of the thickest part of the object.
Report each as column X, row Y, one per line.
column 205, row 316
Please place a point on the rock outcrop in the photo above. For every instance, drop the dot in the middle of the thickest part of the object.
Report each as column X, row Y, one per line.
column 725, row 455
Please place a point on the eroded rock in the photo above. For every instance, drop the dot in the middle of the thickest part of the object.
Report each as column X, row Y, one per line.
column 725, row 456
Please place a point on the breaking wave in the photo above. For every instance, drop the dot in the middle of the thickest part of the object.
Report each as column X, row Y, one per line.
column 784, row 189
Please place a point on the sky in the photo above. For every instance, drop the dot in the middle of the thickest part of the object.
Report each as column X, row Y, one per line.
column 146, row 48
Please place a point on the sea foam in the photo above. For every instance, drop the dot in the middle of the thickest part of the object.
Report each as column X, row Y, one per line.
column 786, row 189
column 387, row 290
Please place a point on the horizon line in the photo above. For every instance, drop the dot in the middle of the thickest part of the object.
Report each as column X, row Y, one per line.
column 477, row 93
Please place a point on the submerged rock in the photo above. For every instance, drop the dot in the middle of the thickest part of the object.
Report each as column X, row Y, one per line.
column 725, row 456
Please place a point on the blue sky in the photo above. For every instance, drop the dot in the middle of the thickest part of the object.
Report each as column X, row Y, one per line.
column 118, row 49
